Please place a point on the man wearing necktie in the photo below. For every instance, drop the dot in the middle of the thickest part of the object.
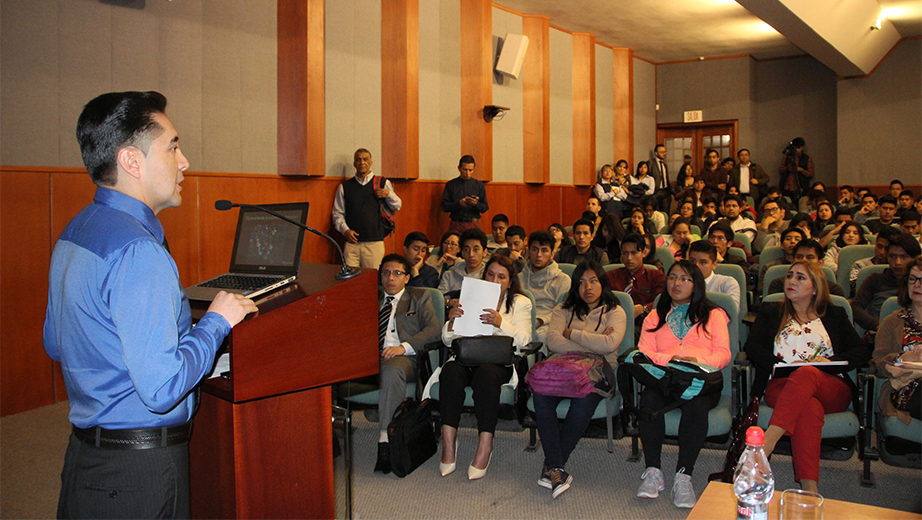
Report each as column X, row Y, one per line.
column 643, row 284
column 406, row 322
column 662, row 194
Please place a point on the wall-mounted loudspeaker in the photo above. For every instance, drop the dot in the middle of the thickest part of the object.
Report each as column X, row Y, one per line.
column 512, row 55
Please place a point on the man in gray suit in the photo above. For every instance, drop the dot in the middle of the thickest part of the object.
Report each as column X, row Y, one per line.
column 406, row 322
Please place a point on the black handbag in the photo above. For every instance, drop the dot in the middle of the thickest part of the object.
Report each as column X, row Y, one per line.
column 472, row 351
column 411, row 436
column 749, row 418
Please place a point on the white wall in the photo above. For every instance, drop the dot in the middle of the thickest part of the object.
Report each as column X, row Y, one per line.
column 352, row 36
column 644, row 111
column 508, row 133
column 561, row 107
column 215, row 63
column 604, row 106
column 439, row 89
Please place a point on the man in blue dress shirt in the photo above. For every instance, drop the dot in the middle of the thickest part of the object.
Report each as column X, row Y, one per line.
column 120, row 324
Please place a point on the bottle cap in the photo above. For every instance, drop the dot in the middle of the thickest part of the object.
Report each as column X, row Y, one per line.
column 755, row 436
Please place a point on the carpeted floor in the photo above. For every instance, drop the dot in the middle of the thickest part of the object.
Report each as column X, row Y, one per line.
column 32, row 448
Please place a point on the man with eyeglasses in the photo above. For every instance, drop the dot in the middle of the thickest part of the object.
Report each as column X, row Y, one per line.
column 720, row 235
column 876, row 288
column 406, row 322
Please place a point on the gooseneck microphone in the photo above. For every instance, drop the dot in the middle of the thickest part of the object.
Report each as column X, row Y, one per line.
column 344, row 274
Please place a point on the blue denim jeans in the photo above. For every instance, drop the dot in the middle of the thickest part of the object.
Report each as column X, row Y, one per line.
column 559, row 439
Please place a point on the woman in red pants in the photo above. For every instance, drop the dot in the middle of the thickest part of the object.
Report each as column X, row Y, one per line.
column 805, row 327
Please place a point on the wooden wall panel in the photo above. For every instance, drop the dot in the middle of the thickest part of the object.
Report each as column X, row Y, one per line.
column 37, row 203
column 536, row 100
column 537, row 207
column 583, row 109
column 301, row 87
column 26, row 379
column 623, row 102
column 502, row 199
column 573, row 204
column 477, row 83
column 400, row 88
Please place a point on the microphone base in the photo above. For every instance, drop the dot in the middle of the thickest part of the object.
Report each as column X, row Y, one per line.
column 347, row 273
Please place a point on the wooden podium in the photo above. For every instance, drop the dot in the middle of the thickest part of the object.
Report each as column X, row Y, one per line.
column 262, row 444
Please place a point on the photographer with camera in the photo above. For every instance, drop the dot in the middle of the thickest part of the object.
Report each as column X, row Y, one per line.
column 796, row 170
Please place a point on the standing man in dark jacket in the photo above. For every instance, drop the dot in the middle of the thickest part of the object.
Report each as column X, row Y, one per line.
column 748, row 177
column 464, row 198
column 796, row 170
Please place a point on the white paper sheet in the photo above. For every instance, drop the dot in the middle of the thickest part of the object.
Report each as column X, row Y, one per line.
column 476, row 295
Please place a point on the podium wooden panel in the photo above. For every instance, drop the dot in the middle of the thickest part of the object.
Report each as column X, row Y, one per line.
column 262, row 441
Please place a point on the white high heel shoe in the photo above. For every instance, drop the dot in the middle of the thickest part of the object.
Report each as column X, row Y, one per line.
column 447, row 468
column 476, row 473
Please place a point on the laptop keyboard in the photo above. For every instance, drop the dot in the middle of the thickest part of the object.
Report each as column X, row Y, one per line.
column 240, row 283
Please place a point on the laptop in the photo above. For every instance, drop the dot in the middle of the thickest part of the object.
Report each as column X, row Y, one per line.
column 266, row 256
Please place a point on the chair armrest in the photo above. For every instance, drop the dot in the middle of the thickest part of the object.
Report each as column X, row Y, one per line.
column 741, row 360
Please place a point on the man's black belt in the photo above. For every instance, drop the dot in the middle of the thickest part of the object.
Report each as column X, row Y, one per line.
column 135, row 439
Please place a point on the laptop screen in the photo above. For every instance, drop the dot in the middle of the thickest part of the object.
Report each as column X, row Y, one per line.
column 267, row 244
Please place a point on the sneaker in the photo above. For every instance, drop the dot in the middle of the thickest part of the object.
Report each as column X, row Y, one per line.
column 545, row 479
column 683, row 494
column 653, row 483
column 560, row 481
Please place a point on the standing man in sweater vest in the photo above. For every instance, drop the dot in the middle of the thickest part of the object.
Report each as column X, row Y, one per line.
column 357, row 213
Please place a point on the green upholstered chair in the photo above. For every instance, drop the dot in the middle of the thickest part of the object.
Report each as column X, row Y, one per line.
column 607, row 408
column 848, row 256
column 840, row 429
column 363, row 393
column 720, row 418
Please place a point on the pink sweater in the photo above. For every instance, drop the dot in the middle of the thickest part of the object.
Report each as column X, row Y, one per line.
column 711, row 348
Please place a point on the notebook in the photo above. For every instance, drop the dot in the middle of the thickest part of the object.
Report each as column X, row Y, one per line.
column 266, row 255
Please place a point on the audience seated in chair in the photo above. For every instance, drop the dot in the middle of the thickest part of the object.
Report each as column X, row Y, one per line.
column 875, row 290
column 850, row 234
column 415, row 249
column 411, row 324
column 561, row 238
column 804, row 326
column 721, row 236
column 809, row 251
column 790, row 237
column 449, row 253
column 499, row 224
column 879, row 258
column 473, row 249
column 583, row 249
column 685, row 325
column 512, row 317
column 678, row 239
column 515, row 239
column 909, row 222
column 886, row 206
column 704, row 255
column 590, row 321
column 868, row 209
column 544, row 279
column 643, row 284
column 899, row 339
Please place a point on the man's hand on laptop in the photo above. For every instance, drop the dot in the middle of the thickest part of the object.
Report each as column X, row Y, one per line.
column 233, row 307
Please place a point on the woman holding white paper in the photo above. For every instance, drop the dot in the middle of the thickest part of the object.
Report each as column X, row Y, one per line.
column 511, row 317
column 805, row 327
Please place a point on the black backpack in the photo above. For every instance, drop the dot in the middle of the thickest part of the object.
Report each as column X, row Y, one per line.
column 683, row 380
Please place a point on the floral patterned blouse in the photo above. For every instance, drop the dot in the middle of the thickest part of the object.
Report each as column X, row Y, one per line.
column 798, row 341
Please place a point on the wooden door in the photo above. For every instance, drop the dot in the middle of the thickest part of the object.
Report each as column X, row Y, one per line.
column 695, row 139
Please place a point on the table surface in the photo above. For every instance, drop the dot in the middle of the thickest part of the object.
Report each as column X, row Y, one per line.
column 718, row 501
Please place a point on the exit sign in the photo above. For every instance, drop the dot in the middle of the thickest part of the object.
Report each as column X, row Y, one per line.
column 693, row 116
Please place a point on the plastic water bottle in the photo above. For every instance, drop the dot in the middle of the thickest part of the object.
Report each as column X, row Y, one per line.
column 753, row 482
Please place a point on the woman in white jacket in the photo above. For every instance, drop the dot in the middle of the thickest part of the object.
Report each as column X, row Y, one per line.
column 512, row 317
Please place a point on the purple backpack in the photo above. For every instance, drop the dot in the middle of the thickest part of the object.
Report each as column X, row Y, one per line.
column 573, row 374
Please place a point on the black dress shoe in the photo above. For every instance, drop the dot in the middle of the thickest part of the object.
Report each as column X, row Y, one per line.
column 384, row 458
